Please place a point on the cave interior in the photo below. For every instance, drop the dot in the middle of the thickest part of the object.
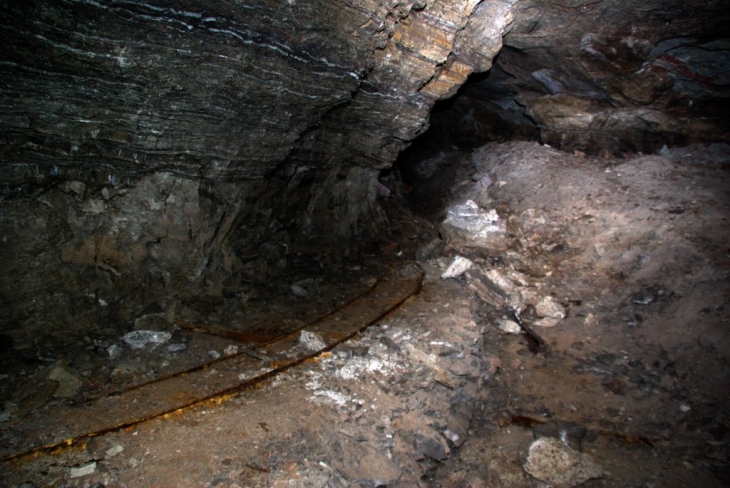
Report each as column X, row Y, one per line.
column 453, row 243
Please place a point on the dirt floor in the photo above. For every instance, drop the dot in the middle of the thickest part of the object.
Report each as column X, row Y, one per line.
column 609, row 276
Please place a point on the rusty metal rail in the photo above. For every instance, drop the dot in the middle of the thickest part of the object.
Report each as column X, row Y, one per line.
column 215, row 381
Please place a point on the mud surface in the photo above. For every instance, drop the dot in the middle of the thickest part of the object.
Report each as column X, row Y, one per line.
column 635, row 375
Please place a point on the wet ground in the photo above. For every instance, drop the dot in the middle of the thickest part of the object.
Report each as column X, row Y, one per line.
column 618, row 268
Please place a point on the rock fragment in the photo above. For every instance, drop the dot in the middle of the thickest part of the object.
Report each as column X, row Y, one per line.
column 137, row 339
column 431, row 444
column 364, row 465
column 550, row 461
column 458, row 267
column 509, row 326
column 550, row 311
column 472, row 227
column 486, row 289
column 68, row 385
column 311, row 341
column 84, row 470
column 299, row 291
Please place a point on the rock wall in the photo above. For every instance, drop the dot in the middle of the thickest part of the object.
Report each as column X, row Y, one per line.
column 159, row 148
column 620, row 76
column 605, row 75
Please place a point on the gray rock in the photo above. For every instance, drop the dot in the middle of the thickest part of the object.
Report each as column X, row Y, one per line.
column 549, row 307
column 471, row 227
column 550, row 461
column 138, row 339
column 311, row 340
column 431, row 444
column 84, row 470
column 68, row 385
column 458, row 267
column 363, row 464
column 509, row 326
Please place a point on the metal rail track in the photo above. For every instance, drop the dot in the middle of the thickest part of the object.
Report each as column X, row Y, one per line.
column 215, row 381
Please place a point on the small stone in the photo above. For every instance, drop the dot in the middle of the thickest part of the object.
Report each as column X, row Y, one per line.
column 299, row 291
column 509, row 326
column 460, row 368
column 68, row 385
column 546, row 322
column 214, row 354
column 458, row 267
column 113, row 451
column 550, row 461
column 114, row 351
column 431, row 444
column 455, row 438
column 311, row 341
column 230, row 350
column 177, row 347
column 84, row 470
column 137, row 339
column 549, row 307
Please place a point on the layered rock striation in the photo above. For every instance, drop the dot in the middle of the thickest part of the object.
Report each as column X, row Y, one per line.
column 605, row 75
column 170, row 149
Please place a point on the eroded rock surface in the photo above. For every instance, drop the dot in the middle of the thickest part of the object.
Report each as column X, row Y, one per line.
column 607, row 75
column 182, row 149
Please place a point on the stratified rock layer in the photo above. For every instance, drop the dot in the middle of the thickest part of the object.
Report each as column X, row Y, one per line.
column 605, row 75
column 158, row 149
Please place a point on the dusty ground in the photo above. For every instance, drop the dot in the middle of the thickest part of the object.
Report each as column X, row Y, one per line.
column 635, row 250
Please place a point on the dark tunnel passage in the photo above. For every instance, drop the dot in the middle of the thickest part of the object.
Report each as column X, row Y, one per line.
column 327, row 244
column 482, row 111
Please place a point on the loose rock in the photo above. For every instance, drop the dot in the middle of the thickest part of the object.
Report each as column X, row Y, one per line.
column 363, row 464
column 84, row 470
column 311, row 341
column 509, row 326
column 550, row 461
column 68, row 385
column 431, row 444
column 458, row 267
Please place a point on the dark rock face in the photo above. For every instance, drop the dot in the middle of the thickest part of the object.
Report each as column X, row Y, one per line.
column 607, row 75
column 112, row 90
column 176, row 149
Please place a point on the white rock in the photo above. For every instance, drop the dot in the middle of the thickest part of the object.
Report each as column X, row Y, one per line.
column 509, row 326
column 299, row 291
column 84, row 470
column 552, row 462
column 546, row 322
column 311, row 341
column 502, row 281
column 137, row 339
column 113, row 451
column 68, row 384
column 458, row 267
column 549, row 307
